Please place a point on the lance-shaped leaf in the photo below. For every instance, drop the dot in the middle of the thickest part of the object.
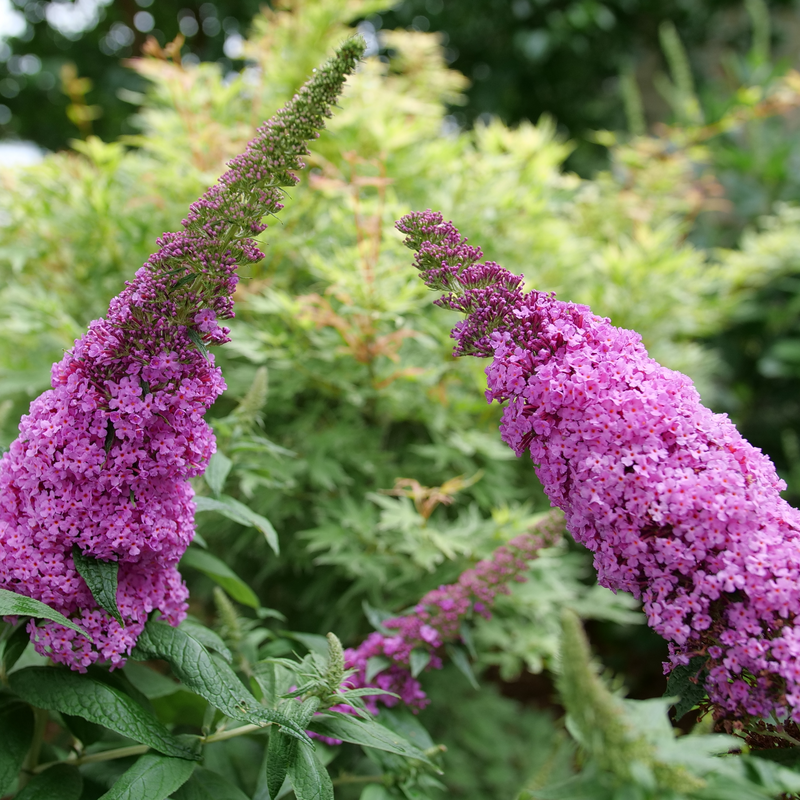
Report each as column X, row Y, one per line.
column 208, row 638
column 310, row 780
column 376, row 617
column 279, row 751
column 152, row 777
column 220, row 573
column 207, row 785
column 101, row 578
column 150, row 683
column 219, row 466
column 367, row 733
column 282, row 750
column 198, row 342
column 81, row 696
column 376, row 665
column 239, row 512
column 16, row 732
column 211, row 678
column 59, row 782
column 419, row 660
column 13, row 647
column 686, row 684
column 461, row 661
column 13, row 604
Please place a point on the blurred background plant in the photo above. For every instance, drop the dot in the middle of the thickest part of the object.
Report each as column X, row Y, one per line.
column 347, row 430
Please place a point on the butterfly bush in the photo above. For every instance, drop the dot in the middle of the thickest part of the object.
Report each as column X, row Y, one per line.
column 103, row 459
column 438, row 618
column 676, row 506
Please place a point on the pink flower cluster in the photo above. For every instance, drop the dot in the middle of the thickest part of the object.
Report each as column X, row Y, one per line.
column 439, row 615
column 103, row 458
column 676, row 506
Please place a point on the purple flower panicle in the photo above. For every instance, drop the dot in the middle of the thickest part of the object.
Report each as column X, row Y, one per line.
column 676, row 506
column 439, row 615
column 103, row 459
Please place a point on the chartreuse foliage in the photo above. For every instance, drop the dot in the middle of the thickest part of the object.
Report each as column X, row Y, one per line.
column 358, row 465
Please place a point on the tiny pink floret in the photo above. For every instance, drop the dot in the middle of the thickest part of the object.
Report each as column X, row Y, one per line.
column 439, row 616
column 676, row 506
column 103, row 459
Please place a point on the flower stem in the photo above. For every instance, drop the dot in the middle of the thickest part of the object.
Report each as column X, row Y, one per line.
column 140, row 749
column 29, row 767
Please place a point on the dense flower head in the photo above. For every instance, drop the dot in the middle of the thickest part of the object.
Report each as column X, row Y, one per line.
column 103, row 459
column 676, row 506
column 439, row 616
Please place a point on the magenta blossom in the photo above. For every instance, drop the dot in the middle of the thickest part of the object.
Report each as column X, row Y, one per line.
column 676, row 506
column 103, row 459
column 438, row 617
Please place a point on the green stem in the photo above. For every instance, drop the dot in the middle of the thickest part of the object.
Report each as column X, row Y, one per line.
column 30, row 766
column 140, row 749
column 241, row 731
column 105, row 755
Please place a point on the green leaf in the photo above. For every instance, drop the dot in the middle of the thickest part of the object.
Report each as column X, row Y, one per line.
column 310, row 780
column 59, row 782
column 239, row 512
column 13, row 604
column 220, row 573
column 367, row 733
column 402, row 721
column 210, row 678
column 367, row 691
column 14, row 646
column 279, row 751
column 81, row 696
column 208, row 638
column 313, row 642
column 152, row 777
column 219, row 465
column 680, row 684
column 198, row 342
column 183, row 280
column 207, row 785
column 785, row 756
column 83, row 730
column 377, row 616
column 465, row 632
column 461, row 661
column 101, row 578
column 150, row 683
column 16, row 733
column 419, row 660
column 199, row 541
column 282, row 750
column 376, row 665
column 265, row 674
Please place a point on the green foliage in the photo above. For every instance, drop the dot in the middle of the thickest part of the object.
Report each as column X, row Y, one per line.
column 91, row 699
column 630, row 749
column 13, row 604
column 59, row 782
column 211, row 678
column 221, row 574
column 101, row 578
column 760, row 344
column 16, row 733
column 351, row 438
column 152, row 776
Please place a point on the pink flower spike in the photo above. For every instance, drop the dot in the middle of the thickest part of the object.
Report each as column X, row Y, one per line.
column 676, row 506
